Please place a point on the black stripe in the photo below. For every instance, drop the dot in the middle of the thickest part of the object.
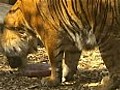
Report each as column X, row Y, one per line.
column 84, row 18
column 74, row 5
column 13, row 10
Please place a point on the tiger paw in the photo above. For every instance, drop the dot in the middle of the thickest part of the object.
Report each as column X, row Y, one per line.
column 49, row 82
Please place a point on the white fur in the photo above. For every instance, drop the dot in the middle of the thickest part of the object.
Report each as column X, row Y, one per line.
column 65, row 71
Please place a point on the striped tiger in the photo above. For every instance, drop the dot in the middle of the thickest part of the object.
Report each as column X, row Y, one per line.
column 66, row 27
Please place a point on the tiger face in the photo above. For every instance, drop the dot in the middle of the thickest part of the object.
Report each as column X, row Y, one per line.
column 17, row 41
column 66, row 27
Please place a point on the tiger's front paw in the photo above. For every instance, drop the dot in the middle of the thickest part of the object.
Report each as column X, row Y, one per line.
column 50, row 82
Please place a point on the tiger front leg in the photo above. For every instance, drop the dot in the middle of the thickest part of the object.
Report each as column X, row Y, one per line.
column 56, row 69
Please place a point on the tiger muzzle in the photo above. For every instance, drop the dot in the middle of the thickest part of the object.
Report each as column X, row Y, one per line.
column 15, row 61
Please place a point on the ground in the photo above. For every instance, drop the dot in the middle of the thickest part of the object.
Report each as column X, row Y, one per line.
column 91, row 69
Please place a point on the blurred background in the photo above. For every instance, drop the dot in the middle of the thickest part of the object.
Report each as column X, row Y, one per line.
column 5, row 6
column 8, row 1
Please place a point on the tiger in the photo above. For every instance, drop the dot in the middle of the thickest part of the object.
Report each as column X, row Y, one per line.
column 66, row 28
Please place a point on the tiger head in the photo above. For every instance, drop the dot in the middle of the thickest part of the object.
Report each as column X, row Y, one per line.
column 17, row 40
column 16, row 46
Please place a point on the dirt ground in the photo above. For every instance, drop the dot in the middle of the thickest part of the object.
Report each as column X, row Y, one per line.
column 91, row 69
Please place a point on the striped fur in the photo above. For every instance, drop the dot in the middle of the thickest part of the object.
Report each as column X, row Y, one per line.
column 66, row 27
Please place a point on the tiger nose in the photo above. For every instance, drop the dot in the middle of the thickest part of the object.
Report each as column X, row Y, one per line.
column 14, row 61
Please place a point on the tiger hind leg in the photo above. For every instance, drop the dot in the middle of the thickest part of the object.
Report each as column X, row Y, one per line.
column 70, row 64
column 110, row 52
